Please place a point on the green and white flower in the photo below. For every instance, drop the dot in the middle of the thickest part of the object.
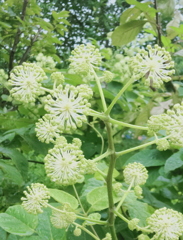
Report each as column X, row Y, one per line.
column 65, row 163
column 47, row 129
column 63, row 218
column 135, row 172
column 167, row 224
column 154, row 65
column 172, row 123
column 36, row 197
column 69, row 106
column 25, row 81
column 83, row 57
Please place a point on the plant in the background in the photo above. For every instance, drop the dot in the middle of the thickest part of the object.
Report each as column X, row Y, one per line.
column 24, row 31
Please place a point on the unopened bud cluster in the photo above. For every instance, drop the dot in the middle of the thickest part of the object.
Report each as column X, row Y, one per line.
column 135, row 172
column 171, row 122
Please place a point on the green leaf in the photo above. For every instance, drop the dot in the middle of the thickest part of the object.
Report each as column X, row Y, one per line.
column 12, row 237
column 63, row 197
column 174, row 162
column 12, row 173
column 19, row 160
column 129, row 14
column 98, row 199
column 127, row 32
column 5, row 137
column 18, row 222
column 149, row 157
column 137, row 209
column 144, row 7
column 32, row 238
column 3, row 234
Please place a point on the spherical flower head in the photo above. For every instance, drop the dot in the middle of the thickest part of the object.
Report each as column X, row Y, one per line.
column 58, row 78
column 47, row 129
column 107, row 237
column 166, row 223
column 77, row 232
column 154, row 65
column 65, row 163
column 63, row 217
column 135, row 172
column 26, row 82
column 133, row 224
column 171, row 122
column 84, row 57
column 107, row 76
column 37, row 196
column 138, row 191
column 163, row 144
column 45, row 61
column 69, row 106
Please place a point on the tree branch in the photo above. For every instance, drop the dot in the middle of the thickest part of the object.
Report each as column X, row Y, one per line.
column 158, row 27
column 17, row 37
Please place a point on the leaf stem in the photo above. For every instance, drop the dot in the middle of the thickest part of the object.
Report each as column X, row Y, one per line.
column 86, row 230
column 118, row 96
column 125, row 194
column 107, row 153
column 111, row 120
column 100, row 90
column 135, row 148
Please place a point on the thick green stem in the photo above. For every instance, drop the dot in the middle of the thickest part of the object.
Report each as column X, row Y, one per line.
column 111, row 120
column 118, row 96
column 109, row 180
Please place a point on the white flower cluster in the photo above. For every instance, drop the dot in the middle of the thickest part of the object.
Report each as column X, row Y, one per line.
column 135, row 172
column 167, row 224
column 83, row 58
column 45, row 61
column 172, row 123
column 37, row 196
column 25, row 81
column 65, row 163
column 154, row 65
column 121, row 68
column 63, row 217
column 67, row 109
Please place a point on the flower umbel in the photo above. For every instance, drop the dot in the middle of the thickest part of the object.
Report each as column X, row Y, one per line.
column 69, row 106
column 154, row 65
column 47, row 129
column 84, row 57
column 65, row 163
column 135, row 171
column 63, row 218
column 37, row 196
column 172, row 122
column 166, row 223
column 26, row 82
